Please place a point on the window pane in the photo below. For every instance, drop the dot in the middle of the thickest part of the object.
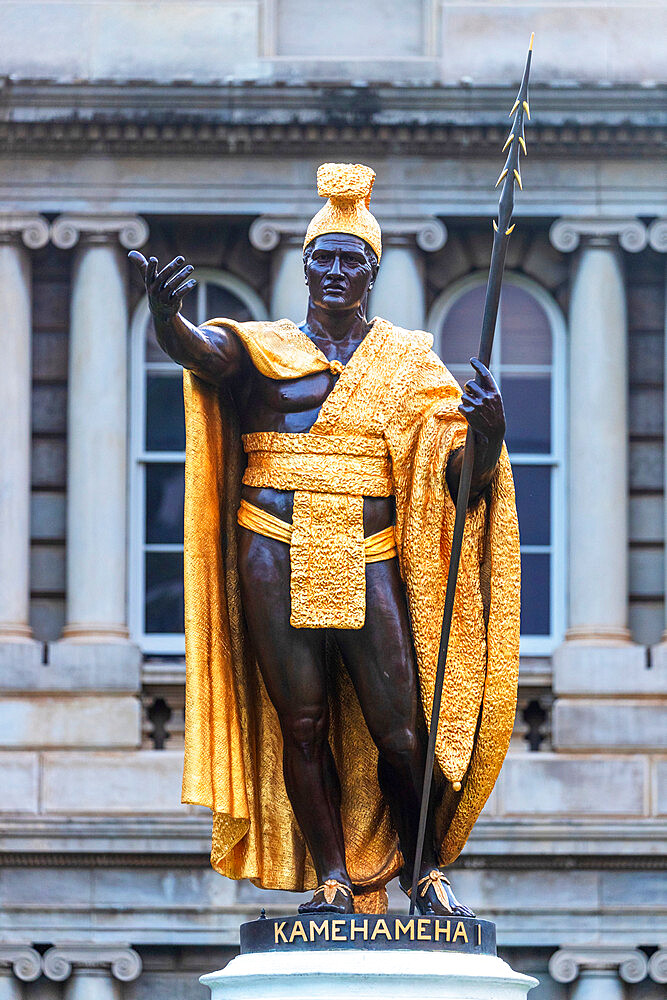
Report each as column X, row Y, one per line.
column 463, row 324
column 165, row 420
column 526, row 333
column 533, row 503
column 222, row 303
column 527, row 401
column 535, row 594
column 164, row 502
column 164, row 592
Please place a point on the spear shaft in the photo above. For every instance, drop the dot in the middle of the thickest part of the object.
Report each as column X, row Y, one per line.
column 502, row 230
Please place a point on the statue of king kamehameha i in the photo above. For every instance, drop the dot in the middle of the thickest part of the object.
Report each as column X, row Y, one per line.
column 322, row 469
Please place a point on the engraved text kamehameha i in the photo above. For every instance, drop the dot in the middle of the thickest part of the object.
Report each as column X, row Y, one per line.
column 324, row 462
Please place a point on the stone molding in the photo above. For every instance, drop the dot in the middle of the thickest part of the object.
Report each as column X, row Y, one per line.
column 657, row 966
column 568, row 963
column 68, row 229
column 29, row 227
column 657, row 235
column 123, row 962
column 429, row 233
column 566, row 233
column 25, row 962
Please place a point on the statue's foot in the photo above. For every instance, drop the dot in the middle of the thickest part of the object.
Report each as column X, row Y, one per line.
column 330, row 897
column 436, row 897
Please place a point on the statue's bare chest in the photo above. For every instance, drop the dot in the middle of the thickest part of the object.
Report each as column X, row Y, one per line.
column 290, row 405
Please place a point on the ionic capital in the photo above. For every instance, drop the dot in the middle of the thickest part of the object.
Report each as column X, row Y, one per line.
column 657, row 235
column 568, row 963
column 131, row 231
column 29, row 227
column 123, row 962
column 428, row 232
column 25, row 962
column 566, row 234
column 657, row 966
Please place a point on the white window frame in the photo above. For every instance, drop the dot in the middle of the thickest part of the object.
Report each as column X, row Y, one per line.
column 534, row 645
column 159, row 644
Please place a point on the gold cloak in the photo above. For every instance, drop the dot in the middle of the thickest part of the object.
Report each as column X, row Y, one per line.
column 394, row 386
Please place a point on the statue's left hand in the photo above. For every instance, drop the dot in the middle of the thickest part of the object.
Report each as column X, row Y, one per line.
column 482, row 406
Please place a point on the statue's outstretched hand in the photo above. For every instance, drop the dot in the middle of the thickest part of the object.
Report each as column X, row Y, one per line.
column 165, row 288
column 482, row 406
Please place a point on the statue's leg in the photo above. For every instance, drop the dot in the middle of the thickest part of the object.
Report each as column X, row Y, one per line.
column 381, row 661
column 292, row 663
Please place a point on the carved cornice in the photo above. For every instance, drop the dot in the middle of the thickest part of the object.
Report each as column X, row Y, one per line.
column 122, row 961
column 657, row 235
column 568, row 963
column 429, row 233
column 131, row 231
column 566, row 234
column 24, row 961
column 29, row 227
column 238, row 118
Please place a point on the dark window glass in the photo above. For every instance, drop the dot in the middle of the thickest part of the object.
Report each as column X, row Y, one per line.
column 535, row 593
column 164, row 592
column 526, row 333
column 462, row 327
column 164, row 503
column 221, row 303
column 533, row 503
column 165, row 420
column 527, row 401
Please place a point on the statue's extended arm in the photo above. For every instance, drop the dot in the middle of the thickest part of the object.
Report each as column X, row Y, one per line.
column 482, row 406
column 212, row 353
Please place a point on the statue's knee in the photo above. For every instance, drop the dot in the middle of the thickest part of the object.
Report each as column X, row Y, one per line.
column 306, row 731
column 399, row 744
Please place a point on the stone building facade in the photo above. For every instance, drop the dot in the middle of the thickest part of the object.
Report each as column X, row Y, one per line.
column 198, row 129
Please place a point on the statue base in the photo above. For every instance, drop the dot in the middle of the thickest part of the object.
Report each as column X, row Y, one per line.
column 364, row 956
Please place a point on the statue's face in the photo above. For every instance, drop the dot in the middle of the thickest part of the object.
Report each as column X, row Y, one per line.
column 339, row 271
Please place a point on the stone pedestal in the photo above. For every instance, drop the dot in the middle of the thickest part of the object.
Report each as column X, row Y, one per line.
column 325, row 957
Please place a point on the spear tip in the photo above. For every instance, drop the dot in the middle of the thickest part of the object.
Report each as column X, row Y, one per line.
column 532, row 39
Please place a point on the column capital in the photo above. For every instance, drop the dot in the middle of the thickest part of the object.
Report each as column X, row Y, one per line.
column 29, row 227
column 25, row 962
column 568, row 963
column 566, row 233
column 123, row 961
column 657, row 966
column 429, row 233
column 657, row 235
column 131, row 231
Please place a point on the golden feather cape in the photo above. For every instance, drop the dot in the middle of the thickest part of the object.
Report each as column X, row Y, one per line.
column 395, row 386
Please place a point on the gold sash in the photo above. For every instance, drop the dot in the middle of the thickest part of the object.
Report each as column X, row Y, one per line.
column 330, row 477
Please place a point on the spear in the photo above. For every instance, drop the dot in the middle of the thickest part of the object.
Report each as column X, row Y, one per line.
column 502, row 228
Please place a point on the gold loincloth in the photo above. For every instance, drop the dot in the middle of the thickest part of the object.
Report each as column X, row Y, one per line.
column 377, row 547
column 330, row 477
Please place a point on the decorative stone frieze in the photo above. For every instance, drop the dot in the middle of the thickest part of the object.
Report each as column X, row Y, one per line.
column 567, row 964
column 123, row 962
column 24, row 961
column 566, row 233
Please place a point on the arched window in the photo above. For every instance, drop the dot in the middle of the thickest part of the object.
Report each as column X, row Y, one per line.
column 157, row 463
column 529, row 365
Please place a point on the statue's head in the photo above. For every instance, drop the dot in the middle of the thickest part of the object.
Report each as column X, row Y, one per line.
column 343, row 244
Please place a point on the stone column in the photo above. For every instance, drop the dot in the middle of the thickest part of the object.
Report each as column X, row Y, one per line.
column 18, row 964
column 597, row 657
column 282, row 236
column 598, row 973
column 657, row 236
column 19, row 233
column 92, row 971
column 97, row 432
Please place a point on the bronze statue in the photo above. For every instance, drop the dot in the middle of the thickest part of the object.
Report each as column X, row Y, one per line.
column 312, row 623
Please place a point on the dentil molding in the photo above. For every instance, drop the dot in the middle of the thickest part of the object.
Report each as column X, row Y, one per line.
column 123, row 962
column 131, row 231
column 30, row 227
column 429, row 233
column 567, row 963
column 25, row 962
column 566, row 233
